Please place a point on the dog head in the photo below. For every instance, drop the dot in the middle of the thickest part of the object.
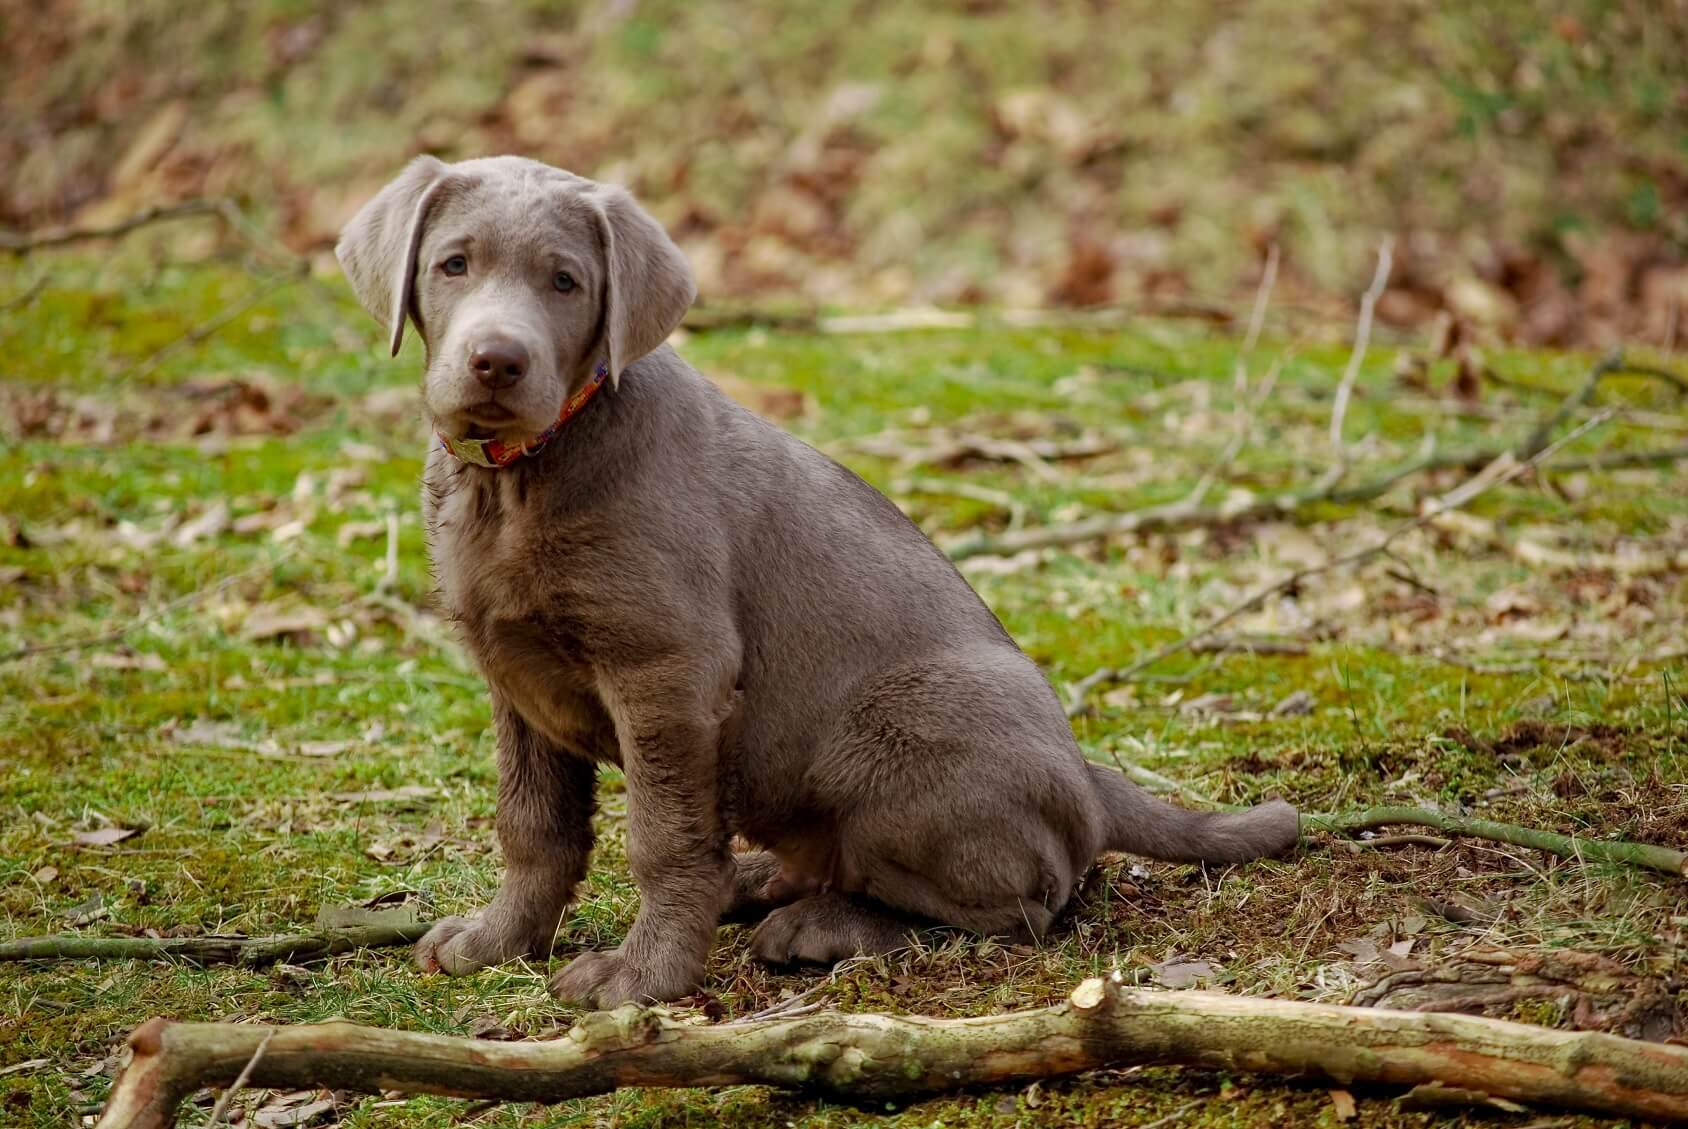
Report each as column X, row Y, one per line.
column 521, row 278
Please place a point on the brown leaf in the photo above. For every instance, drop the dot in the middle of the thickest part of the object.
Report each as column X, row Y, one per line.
column 278, row 621
column 1342, row 1104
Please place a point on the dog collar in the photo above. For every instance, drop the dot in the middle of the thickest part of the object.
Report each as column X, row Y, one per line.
column 496, row 453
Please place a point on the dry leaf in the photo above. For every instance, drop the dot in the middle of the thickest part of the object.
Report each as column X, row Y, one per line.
column 278, row 1115
column 1298, row 704
column 358, row 917
column 88, row 911
column 1342, row 1104
column 276, row 621
column 213, row 521
column 105, row 836
column 117, row 660
column 324, row 748
column 1182, row 974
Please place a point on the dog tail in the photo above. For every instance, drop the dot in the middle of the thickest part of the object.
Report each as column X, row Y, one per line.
column 1143, row 825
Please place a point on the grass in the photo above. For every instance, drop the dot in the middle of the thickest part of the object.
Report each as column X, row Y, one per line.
column 860, row 154
column 288, row 417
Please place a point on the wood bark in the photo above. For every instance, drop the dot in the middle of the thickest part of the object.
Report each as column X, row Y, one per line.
column 874, row 1057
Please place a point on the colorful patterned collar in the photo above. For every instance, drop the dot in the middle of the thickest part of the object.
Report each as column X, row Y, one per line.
column 497, row 453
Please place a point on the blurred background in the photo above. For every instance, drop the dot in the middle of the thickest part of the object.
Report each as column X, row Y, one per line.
column 1530, row 159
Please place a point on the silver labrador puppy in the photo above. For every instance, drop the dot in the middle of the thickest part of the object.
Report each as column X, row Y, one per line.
column 650, row 576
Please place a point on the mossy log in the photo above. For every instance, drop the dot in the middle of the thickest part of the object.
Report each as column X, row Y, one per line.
column 874, row 1057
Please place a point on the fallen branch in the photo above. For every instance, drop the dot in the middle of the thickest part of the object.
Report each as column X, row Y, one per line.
column 61, row 236
column 874, row 1057
column 1665, row 859
column 1504, row 469
column 1625, row 460
column 200, row 332
column 1185, row 513
column 249, row 952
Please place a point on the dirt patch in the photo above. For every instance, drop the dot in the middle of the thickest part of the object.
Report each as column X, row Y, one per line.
column 1531, row 735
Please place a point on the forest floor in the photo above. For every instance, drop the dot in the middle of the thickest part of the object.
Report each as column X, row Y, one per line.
column 236, row 710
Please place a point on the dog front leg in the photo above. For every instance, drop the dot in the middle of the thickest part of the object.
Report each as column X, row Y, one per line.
column 676, row 849
column 545, row 799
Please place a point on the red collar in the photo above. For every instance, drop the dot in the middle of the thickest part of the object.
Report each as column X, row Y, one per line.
column 497, row 453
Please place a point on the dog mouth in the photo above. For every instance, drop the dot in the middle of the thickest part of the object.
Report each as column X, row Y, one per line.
column 485, row 418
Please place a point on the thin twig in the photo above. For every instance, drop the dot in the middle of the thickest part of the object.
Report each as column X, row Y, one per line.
column 195, row 334
column 24, row 299
column 59, row 237
column 1501, row 470
column 1169, row 517
column 1624, row 460
column 1570, row 405
column 117, row 634
column 247, row 952
column 1362, row 341
column 1178, row 1114
column 228, row 1094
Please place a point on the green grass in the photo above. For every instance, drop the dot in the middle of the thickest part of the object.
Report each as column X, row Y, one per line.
column 246, row 835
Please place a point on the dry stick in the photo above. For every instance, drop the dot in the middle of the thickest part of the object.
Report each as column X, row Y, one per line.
column 1667, row 860
column 1186, row 514
column 1362, row 341
column 1504, row 469
column 58, row 237
column 249, row 952
column 117, row 634
column 222, row 1105
column 1570, row 405
column 1621, row 460
column 875, row 1057
column 196, row 334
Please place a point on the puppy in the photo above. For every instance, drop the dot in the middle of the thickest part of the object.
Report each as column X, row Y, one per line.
column 652, row 577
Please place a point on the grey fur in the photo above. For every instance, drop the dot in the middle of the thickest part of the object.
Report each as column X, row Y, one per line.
column 765, row 645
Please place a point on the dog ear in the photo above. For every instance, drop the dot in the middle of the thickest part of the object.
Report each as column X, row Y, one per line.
column 377, row 249
column 648, row 284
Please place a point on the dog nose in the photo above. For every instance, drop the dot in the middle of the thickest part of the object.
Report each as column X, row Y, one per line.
column 499, row 362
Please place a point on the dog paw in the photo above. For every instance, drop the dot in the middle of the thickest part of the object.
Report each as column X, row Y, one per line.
column 461, row 945
column 605, row 980
column 825, row 930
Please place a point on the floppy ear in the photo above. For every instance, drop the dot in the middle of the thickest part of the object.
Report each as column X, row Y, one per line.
column 377, row 249
column 648, row 283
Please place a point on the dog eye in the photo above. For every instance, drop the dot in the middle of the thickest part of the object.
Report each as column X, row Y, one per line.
column 457, row 264
column 563, row 281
